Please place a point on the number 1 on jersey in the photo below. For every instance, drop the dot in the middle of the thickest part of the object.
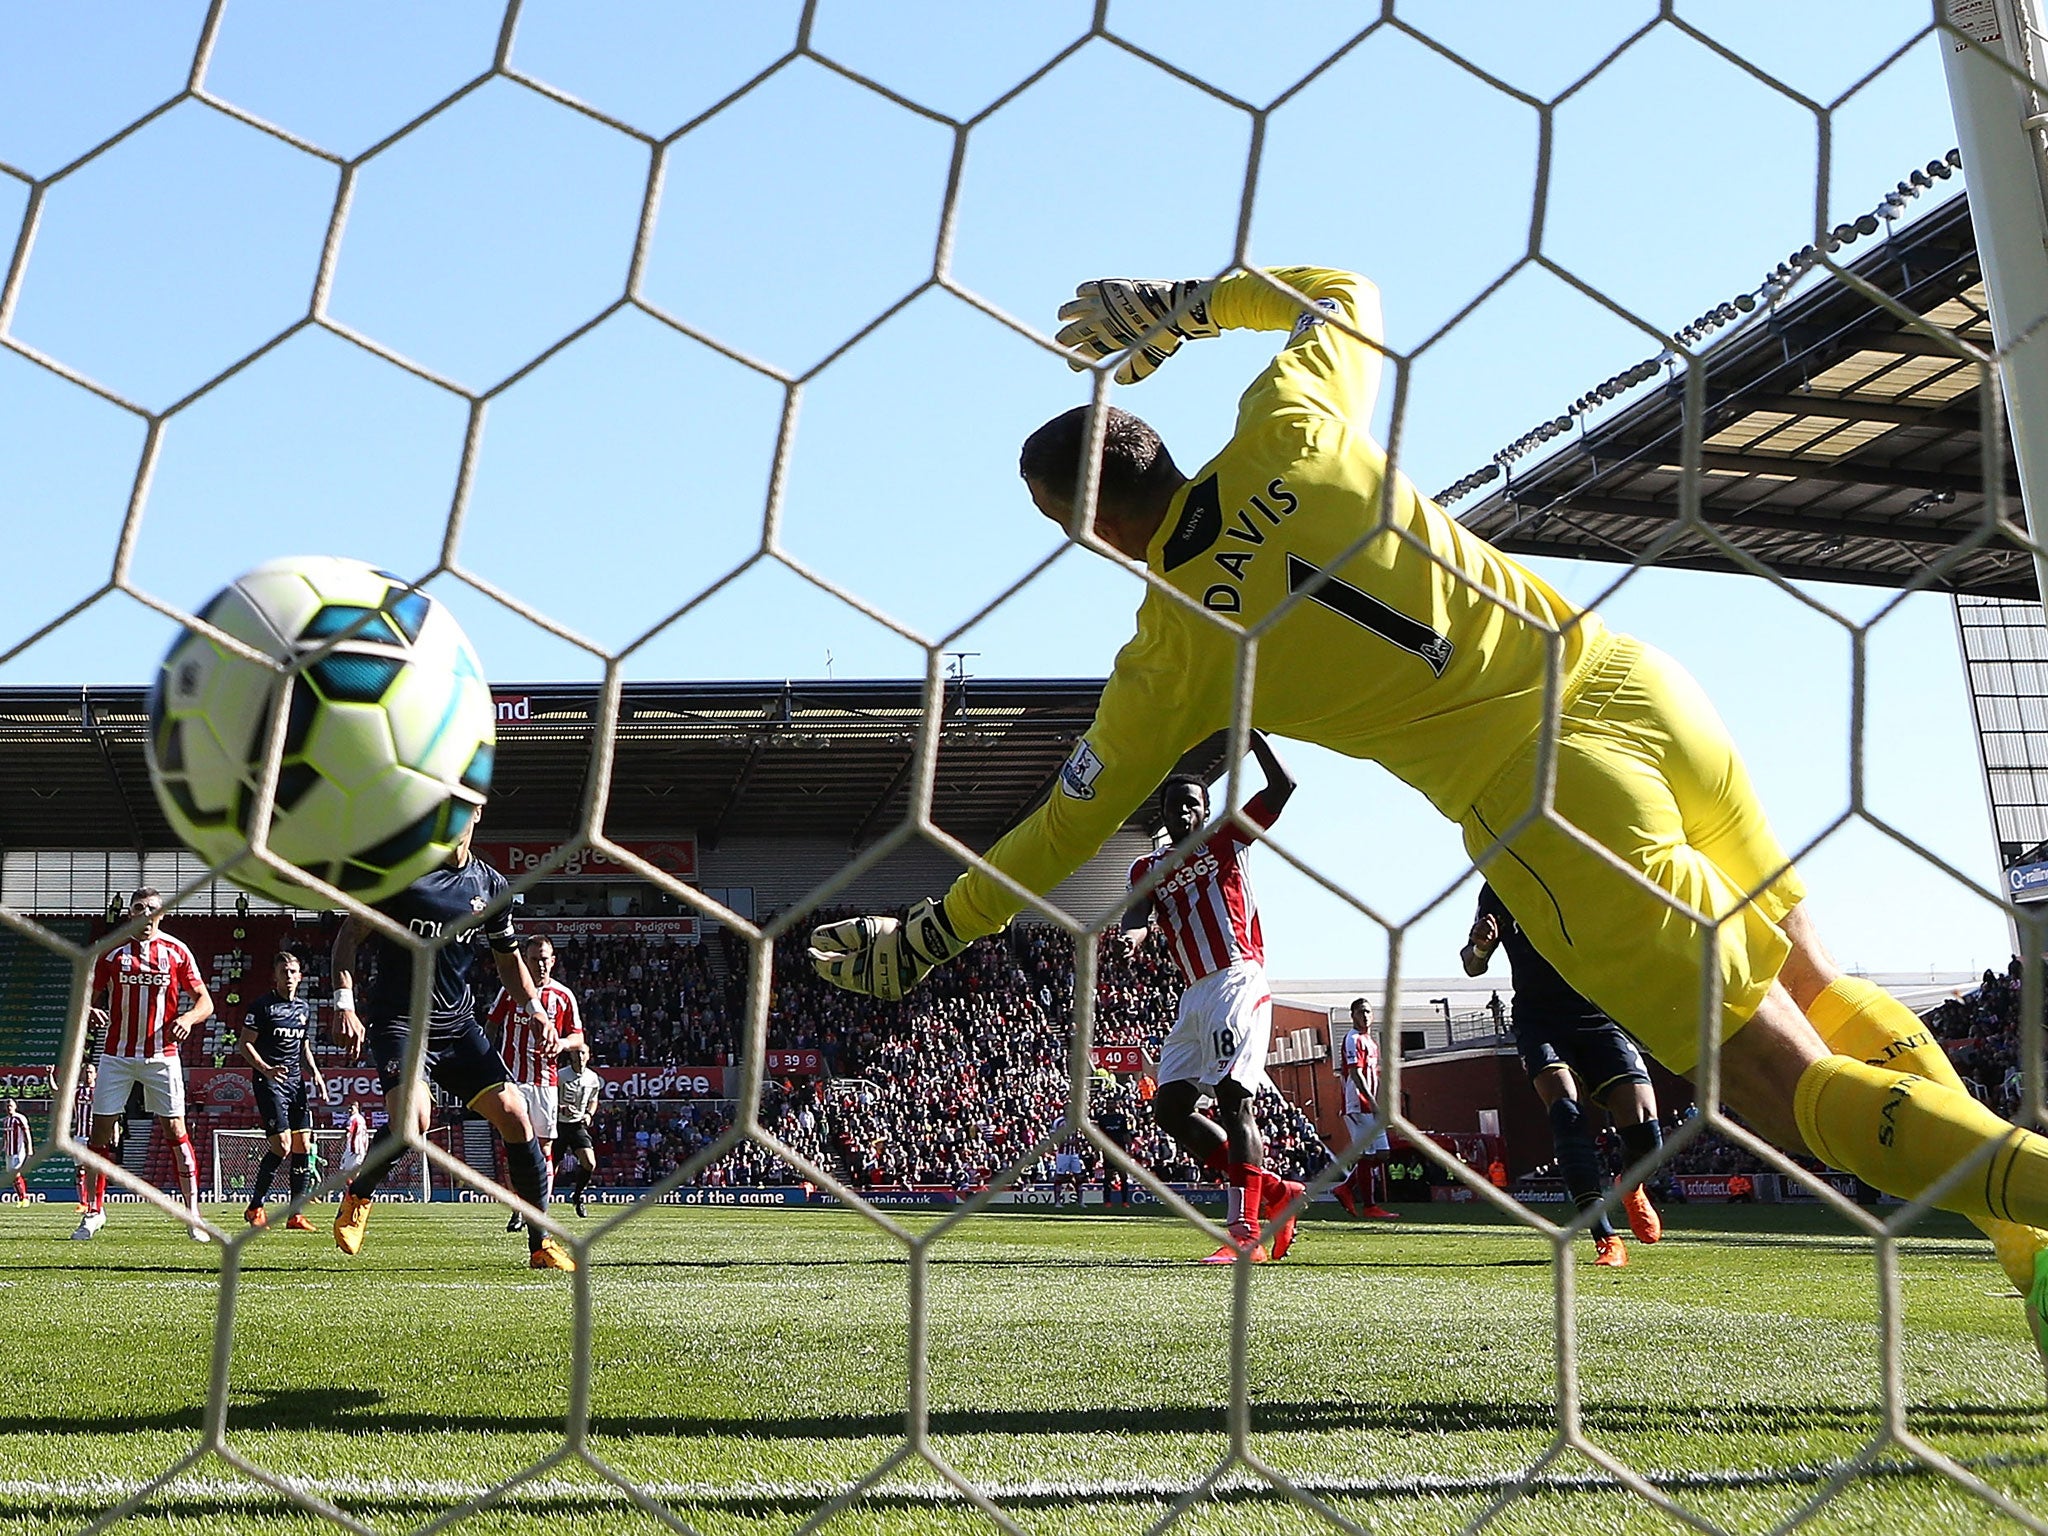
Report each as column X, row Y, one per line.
column 1368, row 612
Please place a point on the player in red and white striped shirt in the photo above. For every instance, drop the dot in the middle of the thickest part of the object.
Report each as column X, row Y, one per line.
column 530, row 1048
column 1358, row 1069
column 1204, row 908
column 141, row 984
column 21, row 1145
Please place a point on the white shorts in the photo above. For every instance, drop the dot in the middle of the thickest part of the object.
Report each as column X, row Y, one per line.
column 540, row 1108
column 14, row 1161
column 162, row 1079
column 1357, row 1125
column 1223, row 1029
column 351, row 1159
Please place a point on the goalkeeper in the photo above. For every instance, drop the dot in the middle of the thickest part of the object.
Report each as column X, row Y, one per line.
column 1387, row 631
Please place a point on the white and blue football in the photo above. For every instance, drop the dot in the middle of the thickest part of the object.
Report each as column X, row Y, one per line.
column 388, row 739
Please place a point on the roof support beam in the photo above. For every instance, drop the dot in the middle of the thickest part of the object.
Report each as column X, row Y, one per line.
column 1845, row 472
column 1941, row 414
column 1908, row 344
column 710, row 835
column 896, row 782
column 92, row 728
column 2021, row 585
column 1623, row 457
column 1721, row 515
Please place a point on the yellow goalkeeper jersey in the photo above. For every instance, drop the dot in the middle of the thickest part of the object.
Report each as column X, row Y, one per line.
column 1416, row 655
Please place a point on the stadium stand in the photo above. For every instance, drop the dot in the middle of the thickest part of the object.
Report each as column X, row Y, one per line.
column 35, row 987
column 940, row 1091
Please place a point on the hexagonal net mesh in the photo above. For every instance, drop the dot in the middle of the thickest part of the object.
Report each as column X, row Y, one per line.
column 1574, row 1458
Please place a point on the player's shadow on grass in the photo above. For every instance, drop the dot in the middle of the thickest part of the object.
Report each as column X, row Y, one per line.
column 360, row 1408
column 157, row 1270
column 1080, row 1261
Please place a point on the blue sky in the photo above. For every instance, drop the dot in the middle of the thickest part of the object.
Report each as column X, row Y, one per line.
column 630, row 471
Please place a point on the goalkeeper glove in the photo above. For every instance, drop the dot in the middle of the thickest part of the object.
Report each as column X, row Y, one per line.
column 1150, row 318
column 885, row 956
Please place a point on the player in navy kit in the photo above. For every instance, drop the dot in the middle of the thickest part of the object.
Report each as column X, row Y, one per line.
column 277, row 1038
column 1561, row 1035
column 447, row 903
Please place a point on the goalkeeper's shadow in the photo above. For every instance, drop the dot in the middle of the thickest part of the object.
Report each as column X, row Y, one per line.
column 357, row 1410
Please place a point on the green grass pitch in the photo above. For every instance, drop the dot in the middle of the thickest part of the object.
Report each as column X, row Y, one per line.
column 750, row 1364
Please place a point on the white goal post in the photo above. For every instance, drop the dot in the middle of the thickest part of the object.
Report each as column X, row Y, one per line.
column 236, row 1154
column 1999, row 123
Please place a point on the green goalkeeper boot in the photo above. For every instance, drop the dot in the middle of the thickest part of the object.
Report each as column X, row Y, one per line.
column 2036, row 1301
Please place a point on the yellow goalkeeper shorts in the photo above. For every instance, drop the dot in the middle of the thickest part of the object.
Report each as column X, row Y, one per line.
column 1645, row 770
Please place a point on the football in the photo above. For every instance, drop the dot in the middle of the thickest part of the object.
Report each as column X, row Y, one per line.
column 388, row 738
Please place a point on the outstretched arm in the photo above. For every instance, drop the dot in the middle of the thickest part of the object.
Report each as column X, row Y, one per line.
column 1170, row 688
column 1280, row 783
column 1329, row 369
column 1137, row 918
column 1330, row 366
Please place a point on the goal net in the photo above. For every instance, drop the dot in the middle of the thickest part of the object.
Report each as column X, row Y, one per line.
column 811, row 315
column 237, row 1153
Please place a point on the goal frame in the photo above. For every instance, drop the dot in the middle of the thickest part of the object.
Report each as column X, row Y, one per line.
column 1996, row 63
column 323, row 1139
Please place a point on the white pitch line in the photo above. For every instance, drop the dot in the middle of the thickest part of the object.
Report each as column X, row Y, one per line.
column 240, row 1491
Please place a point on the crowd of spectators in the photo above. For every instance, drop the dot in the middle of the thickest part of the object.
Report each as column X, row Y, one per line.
column 1981, row 1033
column 964, row 1079
column 647, row 1000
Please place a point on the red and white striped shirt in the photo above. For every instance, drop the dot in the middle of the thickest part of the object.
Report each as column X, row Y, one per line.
column 19, row 1142
column 1362, row 1051
column 1205, row 907
column 144, row 979
column 520, row 1032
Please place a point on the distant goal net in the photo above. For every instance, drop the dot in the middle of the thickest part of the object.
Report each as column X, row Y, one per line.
column 236, row 1155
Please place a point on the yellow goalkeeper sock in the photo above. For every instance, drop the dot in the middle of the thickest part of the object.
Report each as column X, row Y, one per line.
column 1902, row 1133
column 1857, row 1017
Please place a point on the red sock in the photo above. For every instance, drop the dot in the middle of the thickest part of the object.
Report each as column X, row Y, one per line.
column 1275, row 1195
column 20, row 1187
column 84, row 1191
column 99, row 1191
column 1361, row 1180
column 188, row 1168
